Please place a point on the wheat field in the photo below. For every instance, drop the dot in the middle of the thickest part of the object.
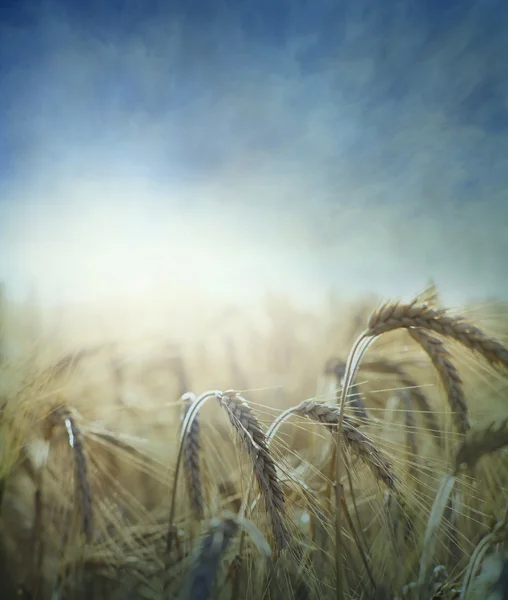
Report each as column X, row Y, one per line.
column 355, row 453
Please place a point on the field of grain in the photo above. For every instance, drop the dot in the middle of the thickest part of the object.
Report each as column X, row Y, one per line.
column 193, row 453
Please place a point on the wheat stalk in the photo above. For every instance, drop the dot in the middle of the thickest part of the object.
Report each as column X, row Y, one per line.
column 423, row 407
column 394, row 316
column 38, row 539
column 337, row 368
column 433, row 523
column 360, row 444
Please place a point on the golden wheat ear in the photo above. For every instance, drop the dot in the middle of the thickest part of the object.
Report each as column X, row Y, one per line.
column 419, row 320
column 448, row 374
column 66, row 417
column 191, row 460
column 395, row 315
column 356, row 441
column 254, row 440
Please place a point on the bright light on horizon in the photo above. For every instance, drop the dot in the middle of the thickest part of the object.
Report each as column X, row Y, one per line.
column 92, row 246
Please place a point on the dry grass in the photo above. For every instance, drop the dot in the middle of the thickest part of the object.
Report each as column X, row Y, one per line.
column 92, row 440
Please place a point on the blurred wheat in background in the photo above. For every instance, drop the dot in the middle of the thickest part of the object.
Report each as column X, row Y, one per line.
column 118, row 482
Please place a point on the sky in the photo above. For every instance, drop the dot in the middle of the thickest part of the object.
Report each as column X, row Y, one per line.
column 232, row 147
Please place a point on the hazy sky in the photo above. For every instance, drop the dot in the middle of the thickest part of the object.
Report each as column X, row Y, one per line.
column 254, row 143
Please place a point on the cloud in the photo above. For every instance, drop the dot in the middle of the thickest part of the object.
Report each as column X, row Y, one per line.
column 268, row 147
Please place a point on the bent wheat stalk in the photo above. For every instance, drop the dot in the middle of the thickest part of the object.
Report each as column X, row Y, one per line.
column 186, row 425
column 337, row 368
column 358, row 443
column 394, row 316
column 329, row 416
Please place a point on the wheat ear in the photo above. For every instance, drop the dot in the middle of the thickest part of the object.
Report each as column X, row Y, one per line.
column 395, row 315
column 191, row 461
column 360, row 444
column 448, row 374
column 254, row 440
column 255, row 443
column 333, row 417
column 186, row 425
column 83, row 487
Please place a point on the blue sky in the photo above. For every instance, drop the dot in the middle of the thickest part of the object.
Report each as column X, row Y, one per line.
column 359, row 144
